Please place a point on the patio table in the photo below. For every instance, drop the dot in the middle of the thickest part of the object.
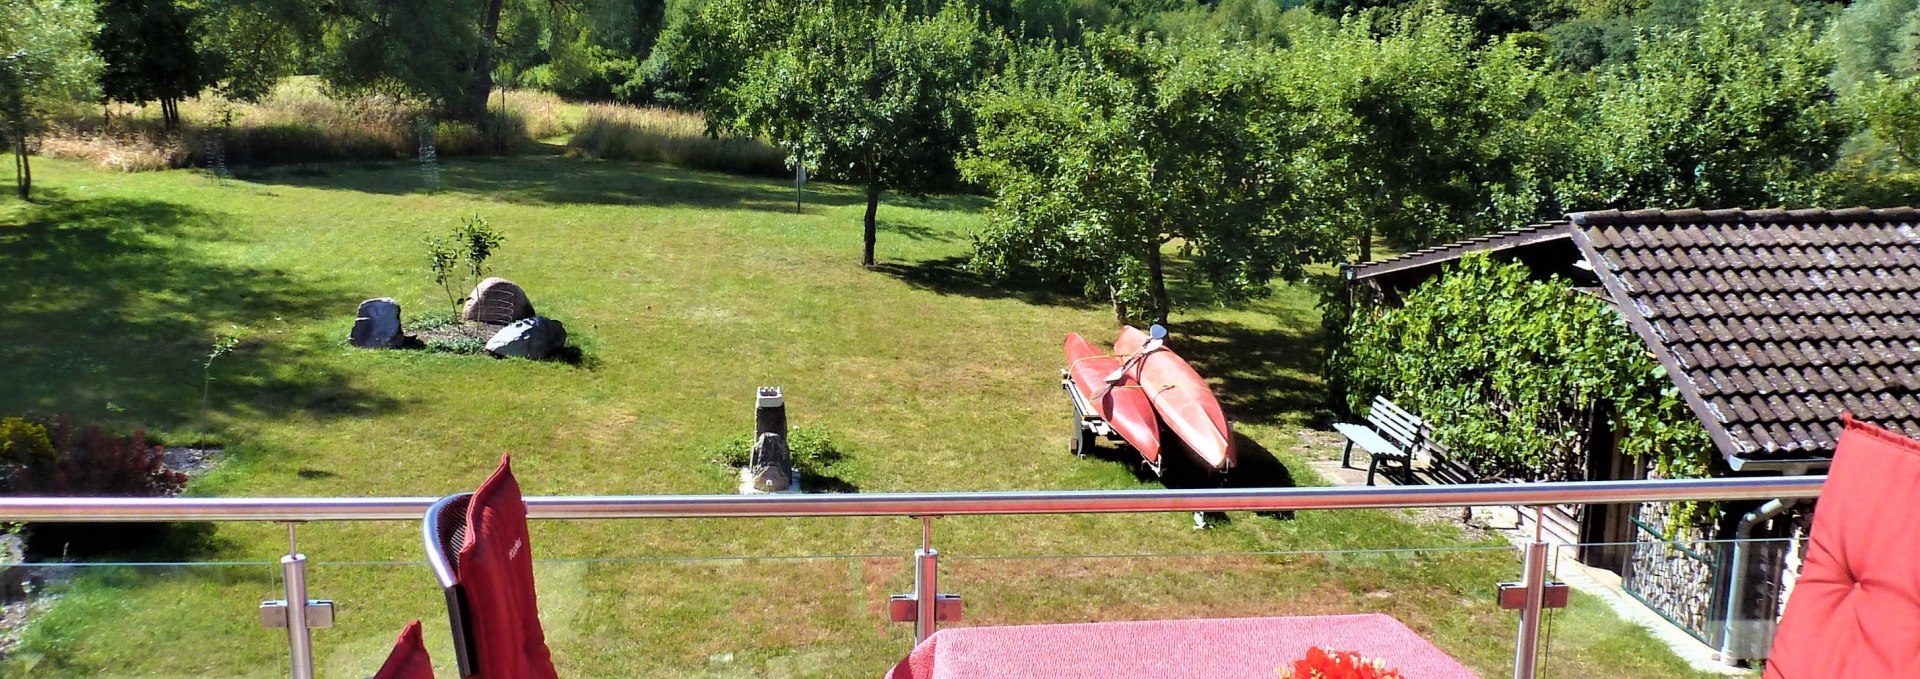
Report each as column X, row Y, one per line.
column 1163, row 649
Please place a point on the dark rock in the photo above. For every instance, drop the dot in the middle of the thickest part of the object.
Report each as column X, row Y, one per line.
column 497, row 301
column 377, row 325
column 534, row 338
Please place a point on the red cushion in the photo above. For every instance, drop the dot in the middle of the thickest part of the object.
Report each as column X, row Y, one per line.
column 1855, row 611
column 408, row 659
column 496, row 573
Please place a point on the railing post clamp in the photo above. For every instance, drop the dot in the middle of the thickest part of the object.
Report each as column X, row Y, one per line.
column 273, row 613
column 926, row 606
column 1513, row 595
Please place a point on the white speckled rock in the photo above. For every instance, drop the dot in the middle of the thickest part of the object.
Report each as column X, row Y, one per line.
column 534, row 338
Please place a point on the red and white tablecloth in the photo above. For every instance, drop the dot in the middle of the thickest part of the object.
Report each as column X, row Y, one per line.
column 1166, row 649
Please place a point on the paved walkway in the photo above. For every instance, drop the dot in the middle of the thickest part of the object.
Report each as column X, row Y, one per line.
column 1597, row 582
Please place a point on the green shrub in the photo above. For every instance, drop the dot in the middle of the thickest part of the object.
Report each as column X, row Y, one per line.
column 24, row 442
column 812, row 447
column 431, row 320
column 1512, row 371
column 458, row 261
column 1504, row 364
column 457, row 345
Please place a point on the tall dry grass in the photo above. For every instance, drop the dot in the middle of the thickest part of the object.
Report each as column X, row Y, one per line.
column 544, row 115
column 297, row 123
column 668, row 136
column 125, row 152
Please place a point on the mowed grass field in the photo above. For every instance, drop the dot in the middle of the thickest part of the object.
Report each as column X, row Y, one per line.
column 686, row 290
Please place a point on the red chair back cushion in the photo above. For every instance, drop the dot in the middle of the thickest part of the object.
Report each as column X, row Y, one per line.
column 496, row 574
column 408, row 659
column 1855, row 611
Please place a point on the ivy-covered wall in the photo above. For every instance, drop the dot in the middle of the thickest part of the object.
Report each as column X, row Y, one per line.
column 1512, row 371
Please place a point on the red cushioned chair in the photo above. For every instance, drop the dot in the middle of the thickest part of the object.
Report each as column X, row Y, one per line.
column 477, row 544
column 1855, row 611
column 409, row 657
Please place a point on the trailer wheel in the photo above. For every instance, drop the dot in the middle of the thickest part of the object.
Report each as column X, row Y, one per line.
column 1081, row 439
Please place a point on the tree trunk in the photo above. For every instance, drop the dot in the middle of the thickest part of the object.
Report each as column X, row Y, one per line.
column 22, row 168
column 873, row 209
column 1366, row 243
column 1157, row 279
column 1119, row 306
column 482, row 89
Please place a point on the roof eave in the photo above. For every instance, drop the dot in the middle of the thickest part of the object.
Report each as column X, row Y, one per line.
column 1539, row 233
column 1623, row 301
column 1787, row 466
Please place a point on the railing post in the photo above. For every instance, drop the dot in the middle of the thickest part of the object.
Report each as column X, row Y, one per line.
column 926, row 576
column 293, row 569
column 1527, row 645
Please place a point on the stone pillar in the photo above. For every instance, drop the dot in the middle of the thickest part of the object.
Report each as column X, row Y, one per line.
column 770, row 467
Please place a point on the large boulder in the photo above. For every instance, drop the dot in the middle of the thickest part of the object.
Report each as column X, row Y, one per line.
column 377, row 325
column 497, row 301
column 534, row 338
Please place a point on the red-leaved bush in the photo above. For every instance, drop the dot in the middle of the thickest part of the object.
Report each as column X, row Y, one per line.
column 1323, row 664
column 95, row 464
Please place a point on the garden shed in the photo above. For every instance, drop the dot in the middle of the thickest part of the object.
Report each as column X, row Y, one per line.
column 1770, row 324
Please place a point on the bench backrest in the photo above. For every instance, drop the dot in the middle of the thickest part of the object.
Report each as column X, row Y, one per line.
column 1402, row 427
column 1415, row 435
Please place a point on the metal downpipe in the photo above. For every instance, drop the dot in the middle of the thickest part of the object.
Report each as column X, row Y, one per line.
column 1734, row 637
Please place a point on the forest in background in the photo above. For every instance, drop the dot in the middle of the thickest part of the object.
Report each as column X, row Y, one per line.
column 1257, row 137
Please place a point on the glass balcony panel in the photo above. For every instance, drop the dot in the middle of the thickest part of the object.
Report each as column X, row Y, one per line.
column 776, row 615
column 1672, row 596
column 764, row 611
column 141, row 619
column 1446, row 595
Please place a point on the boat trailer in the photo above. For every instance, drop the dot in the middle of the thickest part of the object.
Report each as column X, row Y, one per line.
column 1089, row 426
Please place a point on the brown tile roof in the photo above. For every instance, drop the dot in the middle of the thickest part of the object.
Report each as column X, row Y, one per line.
column 1772, row 322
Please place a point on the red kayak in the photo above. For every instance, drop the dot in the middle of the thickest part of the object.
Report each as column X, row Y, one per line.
column 1182, row 399
column 1124, row 406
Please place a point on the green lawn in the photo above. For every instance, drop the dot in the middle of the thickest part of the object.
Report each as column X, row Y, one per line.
column 686, row 290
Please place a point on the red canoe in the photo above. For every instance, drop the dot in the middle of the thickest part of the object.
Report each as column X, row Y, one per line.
column 1124, row 406
column 1182, row 399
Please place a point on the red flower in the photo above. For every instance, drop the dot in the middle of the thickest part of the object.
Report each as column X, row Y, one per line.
column 1321, row 664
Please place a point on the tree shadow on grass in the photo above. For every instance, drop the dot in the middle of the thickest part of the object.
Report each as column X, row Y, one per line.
column 916, row 232
column 124, row 541
column 822, row 482
column 1266, row 376
column 944, row 202
column 109, row 313
column 559, row 180
column 1254, row 467
column 1260, row 469
column 950, row 276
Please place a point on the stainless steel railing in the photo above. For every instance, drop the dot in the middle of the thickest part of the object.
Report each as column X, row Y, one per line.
column 286, row 509
column 923, row 506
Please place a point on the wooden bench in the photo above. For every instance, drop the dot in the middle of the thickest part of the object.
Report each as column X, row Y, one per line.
column 1391, row 436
